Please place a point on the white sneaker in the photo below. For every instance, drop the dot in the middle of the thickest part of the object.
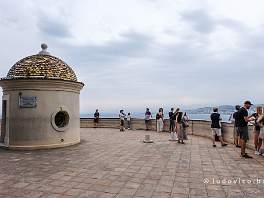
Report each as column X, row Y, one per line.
column 257, row 153
column 262, row 154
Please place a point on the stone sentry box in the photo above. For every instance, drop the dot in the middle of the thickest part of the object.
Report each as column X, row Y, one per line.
column 40, row 104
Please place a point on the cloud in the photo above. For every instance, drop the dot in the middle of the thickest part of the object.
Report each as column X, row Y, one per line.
column 53, row 22
column 8, row 21
column 169, row 52
column 53, row 27
column 200, row 20
column 232, row 24
column 129, row 45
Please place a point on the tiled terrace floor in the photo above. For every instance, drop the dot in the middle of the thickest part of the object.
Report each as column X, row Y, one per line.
column 109, row 164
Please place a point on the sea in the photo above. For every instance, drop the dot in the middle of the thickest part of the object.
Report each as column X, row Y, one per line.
column 225, row 117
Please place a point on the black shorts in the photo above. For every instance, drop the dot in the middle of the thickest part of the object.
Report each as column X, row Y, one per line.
column 243, row 133
column 122, row 122
column 147, row 121
column 96, row 120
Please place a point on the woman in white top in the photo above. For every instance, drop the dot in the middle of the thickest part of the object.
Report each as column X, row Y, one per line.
column 260, row 122
column 159, row 118
column 128, row 121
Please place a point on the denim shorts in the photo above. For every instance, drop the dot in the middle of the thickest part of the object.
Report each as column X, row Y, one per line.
column 243, row 133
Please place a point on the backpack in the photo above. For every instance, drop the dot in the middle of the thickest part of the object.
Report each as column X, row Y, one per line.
column 158, row 116
column 184, row 123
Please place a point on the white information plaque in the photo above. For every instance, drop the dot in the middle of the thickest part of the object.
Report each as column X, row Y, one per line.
column 28, row 102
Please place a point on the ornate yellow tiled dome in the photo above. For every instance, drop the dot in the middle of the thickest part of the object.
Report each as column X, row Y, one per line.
column 43, row 66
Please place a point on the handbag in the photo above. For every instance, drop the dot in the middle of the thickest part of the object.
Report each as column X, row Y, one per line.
column 261, row 134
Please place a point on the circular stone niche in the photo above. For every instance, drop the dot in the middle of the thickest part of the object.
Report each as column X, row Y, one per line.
column 60, row 120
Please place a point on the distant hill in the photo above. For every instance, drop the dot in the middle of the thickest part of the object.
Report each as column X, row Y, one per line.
column 223, row 109
column 202, row 113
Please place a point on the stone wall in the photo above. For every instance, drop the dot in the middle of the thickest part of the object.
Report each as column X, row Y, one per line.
column 197, row 127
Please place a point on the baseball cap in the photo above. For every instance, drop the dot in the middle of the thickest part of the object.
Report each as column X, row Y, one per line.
column 248, row 102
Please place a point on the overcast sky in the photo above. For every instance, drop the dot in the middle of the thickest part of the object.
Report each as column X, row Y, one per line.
column 136, row 53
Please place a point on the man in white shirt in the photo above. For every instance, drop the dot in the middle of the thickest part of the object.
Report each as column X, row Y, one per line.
column 122, row 117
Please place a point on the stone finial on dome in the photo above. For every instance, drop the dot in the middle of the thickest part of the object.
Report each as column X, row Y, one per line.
column 44, row 48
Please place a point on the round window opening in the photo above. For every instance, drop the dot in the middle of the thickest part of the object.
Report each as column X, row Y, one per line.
column 61, row 119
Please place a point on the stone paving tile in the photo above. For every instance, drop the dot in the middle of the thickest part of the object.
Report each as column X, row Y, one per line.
column 110, row 164
column 179, row 196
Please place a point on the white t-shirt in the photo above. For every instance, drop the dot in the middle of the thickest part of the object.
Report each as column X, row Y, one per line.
column 122, row 116
column 147, row 116
column 128, row 117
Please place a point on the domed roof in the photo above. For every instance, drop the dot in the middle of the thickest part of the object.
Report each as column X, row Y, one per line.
column 40, row 66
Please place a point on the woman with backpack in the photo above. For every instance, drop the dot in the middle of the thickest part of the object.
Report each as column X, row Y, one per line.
column 183, row 124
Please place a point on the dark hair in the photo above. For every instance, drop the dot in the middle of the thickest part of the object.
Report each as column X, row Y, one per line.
column 215, row 109
column 180, row 114
column 172, row 109
column 237, row 107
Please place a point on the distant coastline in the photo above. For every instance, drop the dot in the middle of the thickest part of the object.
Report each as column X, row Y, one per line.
column 202, row 113
column 225, row 117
